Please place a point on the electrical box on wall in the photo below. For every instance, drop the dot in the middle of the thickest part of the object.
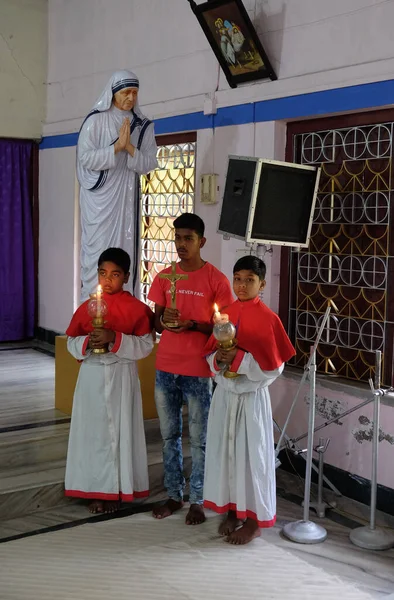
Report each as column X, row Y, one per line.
column 209, row 188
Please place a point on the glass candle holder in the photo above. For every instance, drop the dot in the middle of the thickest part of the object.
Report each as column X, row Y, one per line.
column 224, row 333
column 97, row 309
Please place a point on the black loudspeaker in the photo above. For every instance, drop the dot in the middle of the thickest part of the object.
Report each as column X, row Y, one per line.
column 269, row 202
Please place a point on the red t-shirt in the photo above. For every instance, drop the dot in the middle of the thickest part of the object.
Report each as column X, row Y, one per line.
column 183, row 353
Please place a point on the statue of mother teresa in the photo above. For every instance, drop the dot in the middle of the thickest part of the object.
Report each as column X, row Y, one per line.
column 116, row 145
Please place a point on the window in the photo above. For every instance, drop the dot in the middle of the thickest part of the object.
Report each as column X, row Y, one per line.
column 348, row 262
column 167, row 192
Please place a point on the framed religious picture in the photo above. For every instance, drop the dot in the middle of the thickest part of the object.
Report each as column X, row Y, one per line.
column 234, row 40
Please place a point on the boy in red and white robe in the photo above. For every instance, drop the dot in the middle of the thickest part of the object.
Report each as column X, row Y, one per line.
column 107, row 459
column 240, row 456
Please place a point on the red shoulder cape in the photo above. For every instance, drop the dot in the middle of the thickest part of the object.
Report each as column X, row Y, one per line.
column 125, row 314
column 260, row 332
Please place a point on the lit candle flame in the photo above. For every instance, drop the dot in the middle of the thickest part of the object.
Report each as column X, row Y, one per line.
column 218, row 317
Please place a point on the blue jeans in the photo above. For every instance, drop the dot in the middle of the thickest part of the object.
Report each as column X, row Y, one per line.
column 171, row 392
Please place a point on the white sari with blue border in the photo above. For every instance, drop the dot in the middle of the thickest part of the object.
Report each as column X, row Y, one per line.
column 109, row 182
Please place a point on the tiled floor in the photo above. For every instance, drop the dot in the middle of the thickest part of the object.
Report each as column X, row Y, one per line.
column 141, row 557
column 27, row 396
column 27, row 388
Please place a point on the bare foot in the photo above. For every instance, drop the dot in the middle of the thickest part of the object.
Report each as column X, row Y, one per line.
column 248, row 532
column 196, row 515
column 96, row 506
column 111, row 506
column 230, row 523
column 166, row 510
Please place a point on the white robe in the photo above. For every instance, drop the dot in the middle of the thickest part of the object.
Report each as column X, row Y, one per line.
column 110, row 213
column 107, row 456
column 240, row 454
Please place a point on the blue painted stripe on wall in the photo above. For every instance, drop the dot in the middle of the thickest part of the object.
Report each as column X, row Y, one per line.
column 188, row 122
column 239, row 114
column 59, row 141
column 356, row 97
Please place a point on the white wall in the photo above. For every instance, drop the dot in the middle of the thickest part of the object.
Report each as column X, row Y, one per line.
column 312, row 44
column 255, row 139
column 350, row 438
column 57, row 238
column 349, row 449
column 23, row 67
column 58, row 272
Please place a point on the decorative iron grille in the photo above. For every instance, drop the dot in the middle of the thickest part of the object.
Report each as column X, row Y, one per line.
column 167, row 192
column 347, row 264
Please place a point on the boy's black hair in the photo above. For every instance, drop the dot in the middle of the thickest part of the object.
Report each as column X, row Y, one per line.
column 251, row 263
column 190, row 221
column 117, row 256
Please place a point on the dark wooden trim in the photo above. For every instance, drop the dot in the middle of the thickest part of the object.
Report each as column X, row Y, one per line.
column 169, row 140
column 309, row 126
column 284, row 287
column 46, row 335
column 337, row 122
column 176, row 138
column 249, row 32
column 284, row 278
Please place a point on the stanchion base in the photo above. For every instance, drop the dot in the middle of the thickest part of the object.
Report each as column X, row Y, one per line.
column 372, row 539
column 304, row 532
column 321, row 507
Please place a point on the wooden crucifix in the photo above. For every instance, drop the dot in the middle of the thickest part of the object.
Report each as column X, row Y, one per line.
column 173, row 277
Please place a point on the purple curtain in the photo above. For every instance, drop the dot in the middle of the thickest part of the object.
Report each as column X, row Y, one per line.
column 17, row 280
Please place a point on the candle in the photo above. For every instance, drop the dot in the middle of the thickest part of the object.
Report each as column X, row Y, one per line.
column 98, row 297
column 218, row 317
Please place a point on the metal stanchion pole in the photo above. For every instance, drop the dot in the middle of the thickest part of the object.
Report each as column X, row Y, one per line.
column 303, row 379
column 370, row 537
column 320, row 505
column 305, row 531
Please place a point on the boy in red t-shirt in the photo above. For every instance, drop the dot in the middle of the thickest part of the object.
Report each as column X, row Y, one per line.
column 182, row 373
